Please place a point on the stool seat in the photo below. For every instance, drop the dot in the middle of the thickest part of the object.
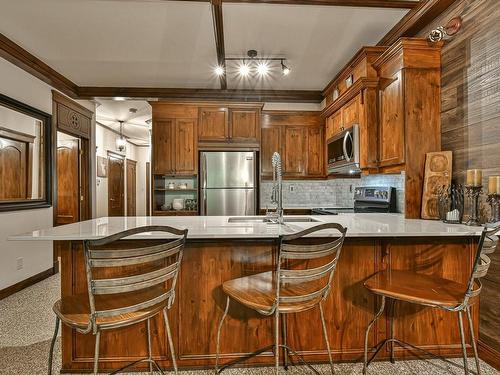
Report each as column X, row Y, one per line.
column 75, row 310
column 417, row 288
column 258, row 292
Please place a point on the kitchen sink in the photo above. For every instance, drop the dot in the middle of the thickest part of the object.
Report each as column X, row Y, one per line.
column 263, row 219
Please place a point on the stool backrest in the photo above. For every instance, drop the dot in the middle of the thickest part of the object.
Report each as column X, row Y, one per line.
column 117, row 266
column 487, row 244
column 324, row 255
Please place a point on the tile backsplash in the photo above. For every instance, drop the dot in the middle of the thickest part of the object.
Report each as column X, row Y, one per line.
column 330, row 193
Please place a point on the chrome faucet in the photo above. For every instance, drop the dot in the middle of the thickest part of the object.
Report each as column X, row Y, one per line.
column 277, row 191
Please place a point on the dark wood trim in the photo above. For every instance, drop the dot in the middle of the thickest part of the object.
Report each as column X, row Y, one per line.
column 46, row 120
column 148, row 188
column 301, row 96
column 415, row 20
column 4, row 293
column 401, row 4
column 16, row 135
column 489, row 355
column 219, row 39
column 21, row 58
column 64, row 100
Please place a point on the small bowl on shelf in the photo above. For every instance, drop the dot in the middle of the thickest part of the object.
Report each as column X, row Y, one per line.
column 178, row 204
column 182, row 186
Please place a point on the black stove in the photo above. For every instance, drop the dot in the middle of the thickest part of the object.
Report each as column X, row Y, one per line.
column 366, row 199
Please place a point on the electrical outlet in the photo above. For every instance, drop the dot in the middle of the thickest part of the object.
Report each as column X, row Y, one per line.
column 291, row 188
column 19, row 263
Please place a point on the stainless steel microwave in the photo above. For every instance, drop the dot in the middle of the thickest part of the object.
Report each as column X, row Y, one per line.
column 343, row 152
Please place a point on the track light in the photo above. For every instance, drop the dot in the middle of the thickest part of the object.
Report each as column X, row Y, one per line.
column 263, row 68
column 244, row 69
column 285, row 69
column 219, row 70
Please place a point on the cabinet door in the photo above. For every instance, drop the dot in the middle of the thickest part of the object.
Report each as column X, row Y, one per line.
column 392, row 122
column 350, row 113
column 336, row 121
column 185, row 146
column 213, row 124
column 271, row 142
column 295, row 155
column 162, row 146
column 244, row 125
column 315, row 154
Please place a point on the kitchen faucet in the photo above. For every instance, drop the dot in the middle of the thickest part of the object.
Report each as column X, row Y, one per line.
column 277, row 191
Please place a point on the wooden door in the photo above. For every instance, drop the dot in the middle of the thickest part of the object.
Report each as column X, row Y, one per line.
column 315, row 153
column 392, row 121
column 271, row 142
column 185, row 147
column 350, row 113
column 213, row 124
column 131, row 187
column 295, row 155
column 68, row 181
column 115, row 186
column 13, row 169
column 244, row 125
column 163, row 154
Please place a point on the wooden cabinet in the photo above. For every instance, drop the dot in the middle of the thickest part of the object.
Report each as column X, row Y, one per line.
column 162, row 137
column 295, row 151
column 350, row 113
column 315, row 152
column 213, row 124
column 271, row 143
column 244, row 125
column 334, row 124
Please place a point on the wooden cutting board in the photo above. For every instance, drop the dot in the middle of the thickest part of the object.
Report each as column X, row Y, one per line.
column 437, row 174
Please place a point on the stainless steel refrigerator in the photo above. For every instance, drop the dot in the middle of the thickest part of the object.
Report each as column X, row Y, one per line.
column 228, row 183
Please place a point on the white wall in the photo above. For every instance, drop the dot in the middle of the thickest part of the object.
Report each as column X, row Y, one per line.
column 106, row 141
column 37, row 256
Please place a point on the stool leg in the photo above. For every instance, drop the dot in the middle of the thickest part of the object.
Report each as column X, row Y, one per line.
column 285, row 348
column 170, row 342
column 462, row 339
column 149, row 346
column 473, row 339
column 96, row 351
column 217, row 349
column 325, row 334
column 276, row 340
column 382, row 307
column 52, row 344
column 393, row 303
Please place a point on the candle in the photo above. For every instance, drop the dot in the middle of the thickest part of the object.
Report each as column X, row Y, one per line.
column 494, row 185
column 474, row 177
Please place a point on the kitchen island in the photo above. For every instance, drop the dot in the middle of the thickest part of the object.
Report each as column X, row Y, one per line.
column 223, row 248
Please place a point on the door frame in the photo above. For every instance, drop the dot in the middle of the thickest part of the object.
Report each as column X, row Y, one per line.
column 123, row 158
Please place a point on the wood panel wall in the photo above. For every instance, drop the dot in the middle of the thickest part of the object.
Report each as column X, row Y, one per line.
column 470, row 119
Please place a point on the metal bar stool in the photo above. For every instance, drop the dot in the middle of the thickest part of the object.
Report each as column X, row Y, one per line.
column 432, row 291
column 132, row 295
column 288, row 290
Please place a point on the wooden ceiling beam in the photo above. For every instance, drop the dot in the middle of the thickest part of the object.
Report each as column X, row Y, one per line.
column 415, row 20
column 21, row 58
column 401, row 4
column 219, row 39
column 298, row 96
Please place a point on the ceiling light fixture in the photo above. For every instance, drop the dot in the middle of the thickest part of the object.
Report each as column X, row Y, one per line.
column 119, row 98
column 244, row 69
column 121, row 142
column 263, row 68
column 251, row 63
column 285, row 69
column 219, row 70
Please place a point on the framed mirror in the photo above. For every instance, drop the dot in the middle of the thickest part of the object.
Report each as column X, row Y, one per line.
column 25, row 156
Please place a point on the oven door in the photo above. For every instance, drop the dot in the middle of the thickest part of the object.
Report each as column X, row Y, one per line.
column 343, row 152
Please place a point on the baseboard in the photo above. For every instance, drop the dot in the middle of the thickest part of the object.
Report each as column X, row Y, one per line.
column 26, row 283
column 489, row 355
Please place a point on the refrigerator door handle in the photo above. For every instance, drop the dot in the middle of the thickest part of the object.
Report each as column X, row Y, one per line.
column 204, row 183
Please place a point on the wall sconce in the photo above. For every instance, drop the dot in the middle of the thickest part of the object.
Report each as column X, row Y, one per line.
column 446, row 32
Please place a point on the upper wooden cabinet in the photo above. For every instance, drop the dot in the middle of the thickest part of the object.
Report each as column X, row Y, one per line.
column 351, row 113
column 185, row 147
column 229, row 124
column 299, row 138
column 162, row 137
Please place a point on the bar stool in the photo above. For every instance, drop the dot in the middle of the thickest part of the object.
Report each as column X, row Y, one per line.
column 287, row 290
column 142, row 286
column 435, row 292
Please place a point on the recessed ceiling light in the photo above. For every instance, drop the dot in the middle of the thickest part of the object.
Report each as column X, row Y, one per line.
column 119, row 98
column 244, row 69
column 219, row 70
column 263, row 68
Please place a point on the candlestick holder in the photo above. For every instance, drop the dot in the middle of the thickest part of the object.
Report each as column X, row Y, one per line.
column 494, row 201
column 473, row 192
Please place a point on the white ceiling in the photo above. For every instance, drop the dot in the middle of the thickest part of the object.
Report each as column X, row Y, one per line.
column 135, row 126
column 155, row 43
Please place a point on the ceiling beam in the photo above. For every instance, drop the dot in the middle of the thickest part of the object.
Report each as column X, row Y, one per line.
column 219, row 39
column 21, row 58
column 401, row 4
column 298, row 96
column 415, row 20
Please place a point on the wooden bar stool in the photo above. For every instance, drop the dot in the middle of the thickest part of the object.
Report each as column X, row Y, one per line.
column 432, row 291
column 288, row 290
column 126, row 285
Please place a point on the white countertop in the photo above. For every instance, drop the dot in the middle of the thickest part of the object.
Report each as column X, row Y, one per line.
column 211, row 227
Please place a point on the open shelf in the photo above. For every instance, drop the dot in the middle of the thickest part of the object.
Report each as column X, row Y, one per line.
column 177, row 190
